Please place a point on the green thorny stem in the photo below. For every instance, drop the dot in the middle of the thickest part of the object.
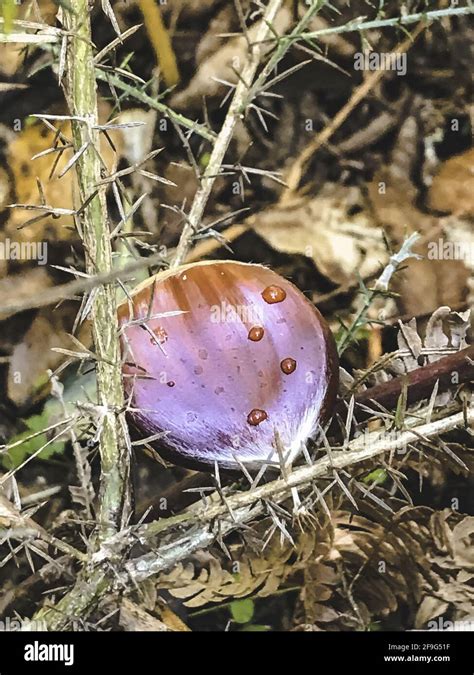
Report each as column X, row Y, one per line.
column 380, row 288
column 81, row 96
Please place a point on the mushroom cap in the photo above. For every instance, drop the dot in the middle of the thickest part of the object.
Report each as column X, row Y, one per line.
column 215, row 385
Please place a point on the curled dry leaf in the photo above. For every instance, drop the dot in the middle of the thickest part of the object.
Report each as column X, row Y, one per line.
column 444, row 329
column 261, row 575
column 409, row 560
column 387, row 556
column 408, row 338
column 435, row 337
column 451, row 569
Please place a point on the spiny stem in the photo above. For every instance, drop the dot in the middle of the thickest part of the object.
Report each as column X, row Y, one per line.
column 386, row 23
column 245, row 506
column 358, row 450
column 82, row 100
column 225, row 135
column 380, row 288
column 139, row 95
column 284, row 45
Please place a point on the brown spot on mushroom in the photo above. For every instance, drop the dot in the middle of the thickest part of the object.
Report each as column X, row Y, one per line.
column 288, row 366
column 160, row 334
column 256, row 416
column 256, row 333
column 273, row 294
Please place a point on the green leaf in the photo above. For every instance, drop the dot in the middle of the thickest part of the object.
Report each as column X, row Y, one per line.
column 204, row 160
column 9, row 9
column 74, row 389
column 242, row 610
column 15, row 456
column 377, row 477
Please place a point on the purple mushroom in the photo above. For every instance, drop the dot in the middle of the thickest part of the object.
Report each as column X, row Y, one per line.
column 230, row 362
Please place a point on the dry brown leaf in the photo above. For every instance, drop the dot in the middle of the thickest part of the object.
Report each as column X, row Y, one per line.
column 342, row 246
column 429, row 608
column 134, row 618
column 408, row 338
column 261, row 575
column 405, row 560
column 223, row 22
column 452, row 189
column 463, row 540
column 58, row 192
column 27, row 380
column 5, row 188
column 353, row 570
column 425, row 284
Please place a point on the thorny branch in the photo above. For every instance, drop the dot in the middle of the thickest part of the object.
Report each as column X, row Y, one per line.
column 237, row 509
column 236, row 110
column 380, row 287
column 359, row 94
column 71, row 289
column 113, row 436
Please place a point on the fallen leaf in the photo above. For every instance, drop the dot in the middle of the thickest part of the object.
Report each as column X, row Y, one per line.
column 134, row 618
column 343, row 246
column 452, row 189
column 425, row 284
column 58, row 192
column 32, row 357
